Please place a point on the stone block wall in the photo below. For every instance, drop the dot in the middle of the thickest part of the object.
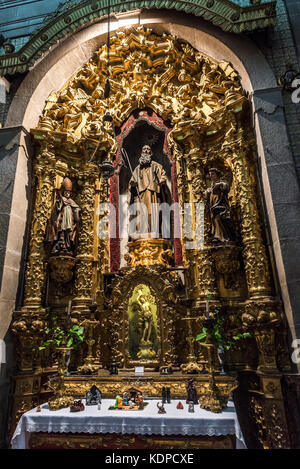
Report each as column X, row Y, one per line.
column 282, row 53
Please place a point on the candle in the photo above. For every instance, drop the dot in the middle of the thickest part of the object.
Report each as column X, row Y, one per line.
column 68, row 318
column 207, row 308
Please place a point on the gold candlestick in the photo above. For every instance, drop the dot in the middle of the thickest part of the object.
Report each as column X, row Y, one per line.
column 90, row 365
column 191, row 366
column 60, row 398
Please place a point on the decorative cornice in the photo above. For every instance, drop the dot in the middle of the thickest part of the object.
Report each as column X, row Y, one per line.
column 223, row 13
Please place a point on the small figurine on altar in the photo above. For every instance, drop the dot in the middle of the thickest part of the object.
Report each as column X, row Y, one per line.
column 161, row 408
column 77, row 406
column 119, row 402
column 140, row 401
column 131, row 403
column 113, row 369
column 93, row 396
column 192, row 395
column 125, row 398
column 191, row 407
column 179, row 405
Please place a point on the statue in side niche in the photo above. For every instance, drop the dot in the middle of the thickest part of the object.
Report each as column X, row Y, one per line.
column 144, row 302
column 63, row 224
column 222, row 228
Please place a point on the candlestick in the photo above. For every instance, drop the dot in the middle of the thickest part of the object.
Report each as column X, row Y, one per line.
column 207, row 308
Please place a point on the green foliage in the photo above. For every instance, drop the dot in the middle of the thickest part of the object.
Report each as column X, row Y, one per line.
column 72, row 337
column 218, row 333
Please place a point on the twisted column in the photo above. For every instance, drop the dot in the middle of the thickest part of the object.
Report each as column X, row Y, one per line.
column 84, row 253
column 254, row 252
column 35, row 276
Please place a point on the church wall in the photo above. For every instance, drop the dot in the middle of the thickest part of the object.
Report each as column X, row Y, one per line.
column 283, row 53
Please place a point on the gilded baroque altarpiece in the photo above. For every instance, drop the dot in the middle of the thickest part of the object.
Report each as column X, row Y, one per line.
column 199, row 111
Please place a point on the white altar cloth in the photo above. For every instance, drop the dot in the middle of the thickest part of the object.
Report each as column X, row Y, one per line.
column 144, row 422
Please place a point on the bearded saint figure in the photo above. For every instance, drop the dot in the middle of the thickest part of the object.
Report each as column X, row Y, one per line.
column 147, row 188
column 64, row 220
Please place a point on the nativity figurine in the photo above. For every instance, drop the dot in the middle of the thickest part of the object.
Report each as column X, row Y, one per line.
column 93, row 396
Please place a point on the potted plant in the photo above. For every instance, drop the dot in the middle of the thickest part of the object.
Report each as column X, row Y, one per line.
column 63, row 339
column 213, row 331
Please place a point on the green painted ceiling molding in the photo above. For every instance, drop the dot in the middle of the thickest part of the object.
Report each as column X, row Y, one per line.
column 226, row 14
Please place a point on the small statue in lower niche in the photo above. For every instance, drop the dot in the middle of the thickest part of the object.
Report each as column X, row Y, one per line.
column 222, row 228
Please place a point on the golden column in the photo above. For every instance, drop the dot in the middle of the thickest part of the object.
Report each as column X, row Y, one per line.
column 44, row 177
column 201, row 260
column 254, row 252
column 85, row 247
column 28, row 325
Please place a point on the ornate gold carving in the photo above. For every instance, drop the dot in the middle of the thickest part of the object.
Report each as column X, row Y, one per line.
column 60, row 440
column 28, row 328
column 149, row 252
column 265, row 339
column 257, row 412
column 205, row 274
column 44, row 175
column 277, row 429
column 60, row 398
column 191, row 366
column 162, row 285
column 84, row 253
column 214, row 397
column 118, row 441
column 91, row 326
column 61, row 268
column 207, row 110
column 256, row 264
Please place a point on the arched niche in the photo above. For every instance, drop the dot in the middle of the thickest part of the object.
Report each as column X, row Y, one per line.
column 64, row 59
column 204, row 112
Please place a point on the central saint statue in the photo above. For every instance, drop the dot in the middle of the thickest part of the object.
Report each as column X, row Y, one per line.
column 147, row 188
